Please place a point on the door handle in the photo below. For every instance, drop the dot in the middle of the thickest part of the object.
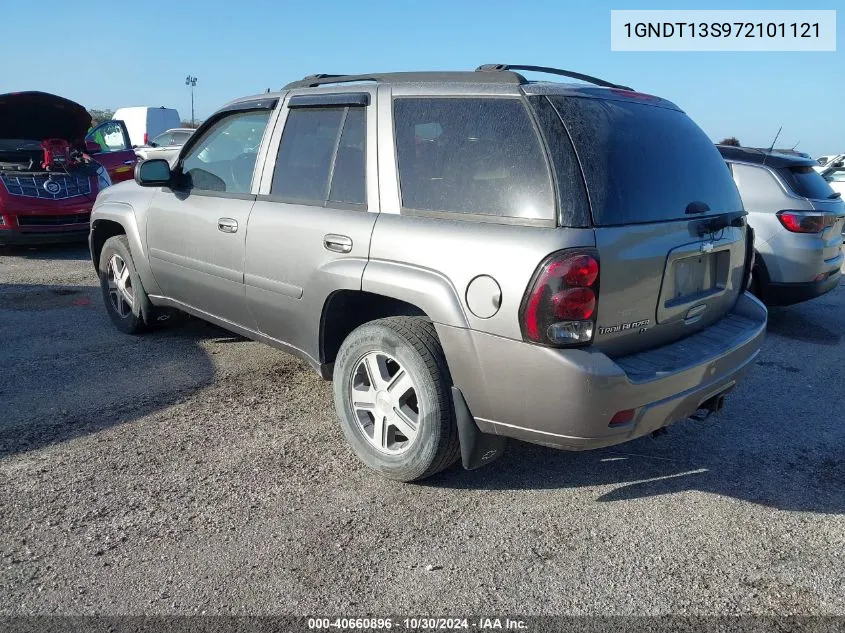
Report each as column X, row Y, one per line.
column 129, row 162
column 337, row 243
column 227, row 225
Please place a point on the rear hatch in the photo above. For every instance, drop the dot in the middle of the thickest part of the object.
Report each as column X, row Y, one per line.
column 832, row 235
column 669, row 223
column 805, row 182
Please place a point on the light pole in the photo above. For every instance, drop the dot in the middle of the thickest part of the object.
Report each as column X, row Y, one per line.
column 191, row 82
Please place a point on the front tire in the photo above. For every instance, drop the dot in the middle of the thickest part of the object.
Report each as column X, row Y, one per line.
column 392, row 392
column 123, row 293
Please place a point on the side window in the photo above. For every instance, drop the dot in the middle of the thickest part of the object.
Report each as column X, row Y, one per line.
column 179, row 138
column 321, row 156
column 479, row 156
column 348, row 178
column 224, row 158
column 754, row 183
column 162, row 140
column 109, row 136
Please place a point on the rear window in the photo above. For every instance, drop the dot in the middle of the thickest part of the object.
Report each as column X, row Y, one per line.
column 471, row 156
column 645, row 163
column 805, row 182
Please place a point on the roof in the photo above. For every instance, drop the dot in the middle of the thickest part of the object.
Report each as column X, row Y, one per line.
column 484, row 74
column 485, row 78
column 761, row 156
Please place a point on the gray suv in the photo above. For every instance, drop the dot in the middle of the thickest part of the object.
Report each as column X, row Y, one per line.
column 469, row 256
column 797, row 220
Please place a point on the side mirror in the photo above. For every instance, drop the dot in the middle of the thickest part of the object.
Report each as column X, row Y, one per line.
column 153, row 173
column 92, row 147
column 838, row 164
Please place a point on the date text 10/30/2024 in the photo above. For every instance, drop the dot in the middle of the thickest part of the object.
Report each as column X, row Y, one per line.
column 417, row 624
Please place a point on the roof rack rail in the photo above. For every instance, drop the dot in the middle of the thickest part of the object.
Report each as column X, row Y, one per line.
column 312, row 81
column 551, row 71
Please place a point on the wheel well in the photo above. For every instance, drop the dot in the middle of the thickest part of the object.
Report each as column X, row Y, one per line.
column 345, row 310
column 100, row 232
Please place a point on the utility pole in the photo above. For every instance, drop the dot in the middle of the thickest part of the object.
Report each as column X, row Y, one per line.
column 191, row 82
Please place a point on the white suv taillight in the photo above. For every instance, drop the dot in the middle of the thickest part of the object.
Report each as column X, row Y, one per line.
column 559, row 307
column 806, row 221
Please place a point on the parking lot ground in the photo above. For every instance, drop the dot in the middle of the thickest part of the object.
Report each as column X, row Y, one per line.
column 192, row 471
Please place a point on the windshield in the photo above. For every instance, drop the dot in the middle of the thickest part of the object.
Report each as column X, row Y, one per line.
column 645, row 163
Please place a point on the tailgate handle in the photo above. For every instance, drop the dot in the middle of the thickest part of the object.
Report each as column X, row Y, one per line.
column 695, row 312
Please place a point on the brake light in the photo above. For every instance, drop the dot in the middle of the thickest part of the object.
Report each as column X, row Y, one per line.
column 633, row 94
column 622, row 417
column 146, row 138
column 806, row 221
column 559, row 307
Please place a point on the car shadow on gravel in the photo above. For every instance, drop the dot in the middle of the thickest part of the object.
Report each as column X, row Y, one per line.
column 68, row 372
column 802, row 325
column 72, row 251
column 796, row 479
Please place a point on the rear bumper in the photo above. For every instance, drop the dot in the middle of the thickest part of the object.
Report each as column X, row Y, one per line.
column 566, row 398
column 777, row 294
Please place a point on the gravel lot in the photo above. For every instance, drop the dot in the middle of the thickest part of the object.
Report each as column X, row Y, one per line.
column 191, row 471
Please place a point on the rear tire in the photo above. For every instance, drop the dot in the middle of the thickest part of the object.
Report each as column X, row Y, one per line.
column 392, row 393
column 123, row 293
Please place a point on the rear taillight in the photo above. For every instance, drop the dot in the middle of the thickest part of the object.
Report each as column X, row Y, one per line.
column 559, row 307
column 146, row 138
column 806, row 221
column 621, row 418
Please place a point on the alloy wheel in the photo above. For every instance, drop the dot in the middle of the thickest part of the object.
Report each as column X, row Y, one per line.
column 384, row 399
column 121, row 293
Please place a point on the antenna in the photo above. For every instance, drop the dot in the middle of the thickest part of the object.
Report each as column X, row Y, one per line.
column 796, row 145
column 772, row 146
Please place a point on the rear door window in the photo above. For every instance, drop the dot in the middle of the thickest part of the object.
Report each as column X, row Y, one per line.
column 805, row 181
column 645, row 163
column 471, row 156
column 321, row 157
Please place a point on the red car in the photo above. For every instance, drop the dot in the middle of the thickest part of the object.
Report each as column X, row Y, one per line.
column 50, row 171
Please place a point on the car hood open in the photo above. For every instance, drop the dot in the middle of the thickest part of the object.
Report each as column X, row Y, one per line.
column 40, row 115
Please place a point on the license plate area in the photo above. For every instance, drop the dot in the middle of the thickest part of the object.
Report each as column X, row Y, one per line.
column 697, row 277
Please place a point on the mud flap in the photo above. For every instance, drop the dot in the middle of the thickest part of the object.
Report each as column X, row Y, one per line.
column 477, row 449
